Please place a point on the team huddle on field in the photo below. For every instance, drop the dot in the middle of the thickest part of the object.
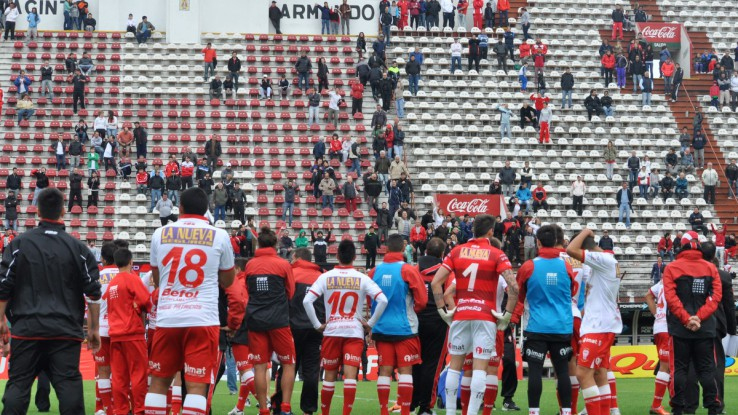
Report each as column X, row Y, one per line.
column 199, row 296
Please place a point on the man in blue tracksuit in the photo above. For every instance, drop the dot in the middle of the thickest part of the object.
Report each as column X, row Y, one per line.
column 396, row 332
column 547, row 284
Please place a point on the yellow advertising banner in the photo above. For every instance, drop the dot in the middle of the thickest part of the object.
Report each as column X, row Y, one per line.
column 640, row 362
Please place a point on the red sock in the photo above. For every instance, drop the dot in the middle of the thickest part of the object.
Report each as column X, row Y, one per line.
column 405, row 393
column 613, row 390
column 106, row 393
column 247, row 387
column 574, row 393
column 383, row 391
column 176, row 400
column 349, row 395
column 662, row 381
column 326, row 395
column 264, row 411
column 465, row 394
column 169, row 400
column 604, row 404
column 490, row 395
column 286, row 407
column 592, row 405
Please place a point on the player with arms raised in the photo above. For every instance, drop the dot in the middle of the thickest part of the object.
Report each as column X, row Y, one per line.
column 477, row 266
column 344, row 290
column 189, row 258
column 600, row 324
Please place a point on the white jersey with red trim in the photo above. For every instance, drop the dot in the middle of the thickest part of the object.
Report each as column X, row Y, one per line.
column 189, row 254
column 107, row 273
column 149, row 284
column 659, row 323
column 344, row 292
column 602, row 314
column 581, row 275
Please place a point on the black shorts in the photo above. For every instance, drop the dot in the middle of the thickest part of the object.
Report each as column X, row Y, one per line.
column 536, row 346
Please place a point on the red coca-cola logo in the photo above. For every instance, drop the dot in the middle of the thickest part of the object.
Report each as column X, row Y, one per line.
column 661, row 33
column 471, row 206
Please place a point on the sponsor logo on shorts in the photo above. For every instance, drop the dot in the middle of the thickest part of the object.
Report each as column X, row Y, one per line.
column 242, row 362
column 411, row 357
column 330, row 362
column 195, row 371
column 565, row 351
column 481, row 350
column 597, row 342
column 348, row 357
column 535, row 355
column 663, row 352
column 585, row 354
column 456, row 347
column 284, row 358
column 99, row 359
column 154, row 365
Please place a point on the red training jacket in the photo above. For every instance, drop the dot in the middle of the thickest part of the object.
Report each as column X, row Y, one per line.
column 127, row 298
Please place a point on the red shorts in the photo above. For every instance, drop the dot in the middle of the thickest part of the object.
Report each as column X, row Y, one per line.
column 335, row 351
column 279, row 341
column 102, row 357
column 494, row 360
column 242, row 356
column 194, row 348
column 575, row 336
column 594, row 350
column 399, row 354
column 149, row 339
column 663, row 345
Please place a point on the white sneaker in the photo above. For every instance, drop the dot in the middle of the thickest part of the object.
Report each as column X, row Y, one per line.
column 235, row 411
column 101, row 412
column 583, row 412
column 248, row 403
column 614, row 411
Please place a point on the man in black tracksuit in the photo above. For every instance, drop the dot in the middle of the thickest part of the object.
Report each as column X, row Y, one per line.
column 46, row 262
column 432, row 334
column 371, row 244
column 79, row 82
column 385, row 91
column 320, row 246
column 75, row 189
column 726, row 324
column 307, row 339
column 693, row 291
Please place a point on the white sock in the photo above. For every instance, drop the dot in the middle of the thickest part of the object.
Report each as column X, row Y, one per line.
column 574, row 380
column 590, row 392
column 478, row 386
column 604, row 390
column 177, row 391
column 194, row 404
column 534, row 411
column 663, row 376
column 104, row 385
column 452, row 388
column 156, row 401
column 565, row 411
column 247, row 376
column 492, row 380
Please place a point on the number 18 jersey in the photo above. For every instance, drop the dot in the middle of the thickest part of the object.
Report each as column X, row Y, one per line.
column 189, row 254
column 344, row 291
column 477, row 267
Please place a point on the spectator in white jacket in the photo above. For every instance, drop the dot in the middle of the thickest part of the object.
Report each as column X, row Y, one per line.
column 734, row 91
column 456, row 56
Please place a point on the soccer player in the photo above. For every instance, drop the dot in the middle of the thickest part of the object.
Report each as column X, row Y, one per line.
column 396, row 332
column 344, row 290
column 600, row 324
column 270, row 285
column 189, row 259
column 546, row 288
column 476, row 266
column 127, row 302
column 102, row 357
column 657, row 306
column 240, row 347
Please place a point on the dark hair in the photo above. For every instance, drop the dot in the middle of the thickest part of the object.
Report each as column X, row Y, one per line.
column 495, row 242
column 435, row 248
column 120, row 243
column 194, row 201
column 107, row 252
column 50, row 203
column 266, row 238
column 708, row 249
column 395, row 243
column 547, row 236
column 346, row 252
column 123, row 257
column 240, row 262
column 482, row 225
column 303, row 253
column 589, row 243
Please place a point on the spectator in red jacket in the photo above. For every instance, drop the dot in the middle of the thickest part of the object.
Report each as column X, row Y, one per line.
column 335, row 147
column 142, row 182
column 524, row 49
column 389, row 140
column 187, row 171
column 503, row 8
column 357, row 96
column 418, row 238
column 478, row 21
column 667, row 71
column 171, row 167
column 538, row 101
column 666, row 247
column 539, row 198
column 720, row 233
column 608, row 66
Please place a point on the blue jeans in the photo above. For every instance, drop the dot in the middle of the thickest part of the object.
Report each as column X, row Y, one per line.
column 61, row 162
column 142, row 37
column 421, row 20
column 219, row 212
column 523, row 82
column 503, row 18
column 285, row 207
column 303, row 81
column 173, row 195
column 356, row 166
column 155, row 196
column 25, row 114
column 400, row 104
column 112, row 132
column 398, row 150
column 456, row 63
column 413, row 79
column 208, row 70
column 608, row 111
column 231, row 371
column 624, row 209
column 505, row 129
column 67, row 21
column 386, row 32
column 325, row 27
column 637, row 79
column 633, row 178
column 646, row 98
column 327, row 201
column 732, row 186
column 566, row 98
column 644, row 191
column 649, row 66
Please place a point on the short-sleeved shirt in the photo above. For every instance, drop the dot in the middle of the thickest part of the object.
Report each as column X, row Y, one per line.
column 659, row 323
column 107, row 273
column 476, row 266
column 603, row 314
column 344, row 291
column 189, row 254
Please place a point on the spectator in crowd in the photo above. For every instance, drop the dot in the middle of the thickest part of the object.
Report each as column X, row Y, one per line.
column 141, row 137
column 624, row 199
column 709, row 181
column 617, row 22
column 335, row 20
column 715, row 95
column 666, row 247
column 47, row 73
column 544, row 121
column 75, row 150
column 448, row 9
column 350, row 194
column 646, row 89
column 524, row 196
column 327, row 186
column 11, row 211
column 322, row 75
column 80, row 130
column 527, row 116
column 85, row 64
column 385, row 87
column 334, row 106
column 10, row 15
column 505, row 115
column 676, row 82
column 325, row 18
column 644, row 182
column 698, row 144
column 213, row 151
column 687, row 162
column 489, row 14
column 506, row 177
column 109, row 148
column 93, row 157
column 394, row 197
column 578, row 188
column 509, row 37
column 473, row 53
column 697, row 221
column 456, row 56
column 567, row 86
column 173, row 185
column 75, row 189
column 357, row 97
column 265, row 88
column 25, row 108
column 731, row 173
column 500, row 53
column 681, row 186
column 144, row 30
column 216, row 88
column 319, row 149
column 14, row 181
column 313, row 106
column 606, row 102
column 592, row 104
column 89, row 23
column 634, row 166
column 22, row 83
column 345, row 14
column 648, row 60
column 220, row 199
column 165, row 207
column 275, row 15
column 503, row 9
column 157, row 183
column 657, row 270
column 608, row 66
column 621, row 67
column 111, row 125
column 210, row 56
column 664, row 56
column 462, row 8
column 655, row 182
column 667, row 185
column 42, row 182
column 142, row 182
column 187, row 170
column 539, row 198
column 724, row 87
column 637, row 69
column 79, row 82
column 397, row 168
column 290, row 191
column 125, row 140
column 406, row 190
column 303, row 67
column 412, row 69
column 523, row 76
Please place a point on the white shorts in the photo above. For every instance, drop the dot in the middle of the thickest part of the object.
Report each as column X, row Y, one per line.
column 472, row 336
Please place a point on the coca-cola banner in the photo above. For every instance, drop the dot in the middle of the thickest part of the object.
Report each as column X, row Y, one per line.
column 661, row 34
column 471, row 205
